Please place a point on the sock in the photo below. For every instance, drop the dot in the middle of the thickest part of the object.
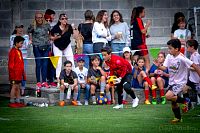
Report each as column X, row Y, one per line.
column 177, row 112
column 132, row 94
column 75, row 96
column 93, row 98
column 61, row 96
column 146, row 93
column 12, row 100
column 17, row 100
column 162, row 93
column 108, row 96
column 180, row 99
column 102, row 87
column 154, row 93
column 124, row 94
column 148, row 81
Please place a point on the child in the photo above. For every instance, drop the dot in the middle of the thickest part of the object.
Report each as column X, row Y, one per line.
column 68, row 79
column 122, row 69
column 159, row 78
column 82, row 72
column 96, row 77
column 177, row 65
column 16, row 71
column 194, row 79
column 182, row 34
column 142, row 78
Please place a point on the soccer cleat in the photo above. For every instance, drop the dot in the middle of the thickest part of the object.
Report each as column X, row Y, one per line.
column 124, row 102
column 154, row 87
column 135, row 102
column 147, row 102
column 79, row 103
column 154, row 102
column 176, row 120
column 163, row 100
column 75, row 103
column 38, row 85
column 86, row 102
column 109, row 103
column 121, row 106
column 45, row 84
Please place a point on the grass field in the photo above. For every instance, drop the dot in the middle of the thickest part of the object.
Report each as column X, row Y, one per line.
column 84, row 119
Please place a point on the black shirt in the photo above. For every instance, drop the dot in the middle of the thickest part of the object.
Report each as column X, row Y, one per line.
column 95, row 73
column 86, row 31
column 64, row 41
column 68, row 78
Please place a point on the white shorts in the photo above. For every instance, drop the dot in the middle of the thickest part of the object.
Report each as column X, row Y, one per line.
column 176, row 88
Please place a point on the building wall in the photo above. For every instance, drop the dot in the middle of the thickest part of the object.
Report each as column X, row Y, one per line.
column 160, row 12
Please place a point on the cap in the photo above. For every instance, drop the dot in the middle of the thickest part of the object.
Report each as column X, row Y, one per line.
column 126, row 49
column 19, row 26
column 80, row 59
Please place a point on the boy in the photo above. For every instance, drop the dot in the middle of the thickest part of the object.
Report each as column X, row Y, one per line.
column 182, row 34
column 122, row 69
column 177, row 65
column 96, row 77
column 68, row 79
column 82, row 72
column 194, row 79
column 16, row 71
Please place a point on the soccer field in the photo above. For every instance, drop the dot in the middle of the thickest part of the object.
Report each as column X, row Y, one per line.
column 99, row 118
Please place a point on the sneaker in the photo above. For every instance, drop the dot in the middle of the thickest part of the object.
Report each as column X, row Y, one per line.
column 147, row 102
column 94, row 103
column 154, row 87
column 79, row 103
column 135, row 102
column 163, row 100
column 38, row 85
column 75, row 103
column 45, row 84
column 124, row 102
column 52, row 84
column 121, row 106
column 154, row 102
column 86, row 102
column 109, row 103
column 175, row 120
column 13, row 105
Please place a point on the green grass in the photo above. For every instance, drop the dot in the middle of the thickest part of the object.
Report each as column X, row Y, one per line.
column 84, row 119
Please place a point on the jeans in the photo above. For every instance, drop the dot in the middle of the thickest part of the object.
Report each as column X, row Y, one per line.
column 118, row 48
column 87, row 49
column 41, row 64
column 87, row 92
column 23, row 83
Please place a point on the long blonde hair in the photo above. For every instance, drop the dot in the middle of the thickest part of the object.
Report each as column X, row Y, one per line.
column 34, row 23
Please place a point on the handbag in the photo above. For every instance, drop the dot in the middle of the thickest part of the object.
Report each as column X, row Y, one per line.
column 79, row 42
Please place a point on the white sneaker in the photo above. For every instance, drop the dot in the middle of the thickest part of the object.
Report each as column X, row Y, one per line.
column 86, row 102
column 121, row 106
column 135, row 102
column 79, row 103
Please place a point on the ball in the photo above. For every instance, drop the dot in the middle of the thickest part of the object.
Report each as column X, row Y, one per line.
column 111, row 81
column 62, row 103
column 101, row 100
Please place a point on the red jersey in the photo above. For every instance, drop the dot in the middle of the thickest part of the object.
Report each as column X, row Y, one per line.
column 119, row 66
column 16, row 65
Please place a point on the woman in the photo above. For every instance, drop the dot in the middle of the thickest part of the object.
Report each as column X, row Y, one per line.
column 100, row 32
column 138, row 34
column 86, row 31
column 39, row 33
column 119, row 31
column 61, row 34
column 19, row 31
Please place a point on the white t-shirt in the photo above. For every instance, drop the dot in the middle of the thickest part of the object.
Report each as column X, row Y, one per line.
column 182, row 33
column 194, row 77
column 178, row 68
column 81, row 74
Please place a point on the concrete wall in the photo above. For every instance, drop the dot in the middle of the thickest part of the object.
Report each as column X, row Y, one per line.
column 161, row 13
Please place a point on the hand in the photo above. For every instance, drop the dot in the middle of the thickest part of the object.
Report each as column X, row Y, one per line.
column 148, row 23
column 98, row 68
column 156, row 62
column 117, row 80
column 117, row 35
column 82, row 85
column 66, row 85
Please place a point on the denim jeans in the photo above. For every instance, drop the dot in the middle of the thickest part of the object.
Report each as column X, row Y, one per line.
column 87, row 49
column 117, row 47
column 87, row 92
column 41, row 64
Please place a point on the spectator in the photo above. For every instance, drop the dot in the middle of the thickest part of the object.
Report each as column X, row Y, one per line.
column 39, row 33
column 119, row 31
column 19, row 31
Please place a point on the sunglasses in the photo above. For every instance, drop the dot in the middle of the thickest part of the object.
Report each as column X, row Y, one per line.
column 64, row 19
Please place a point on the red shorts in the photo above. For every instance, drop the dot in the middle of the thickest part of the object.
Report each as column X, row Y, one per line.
column 143, row 50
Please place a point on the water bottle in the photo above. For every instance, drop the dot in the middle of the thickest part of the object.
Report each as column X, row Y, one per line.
column 69, row 92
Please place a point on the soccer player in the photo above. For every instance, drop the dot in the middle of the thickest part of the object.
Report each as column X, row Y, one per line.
column 177, row 65
column 122, row 69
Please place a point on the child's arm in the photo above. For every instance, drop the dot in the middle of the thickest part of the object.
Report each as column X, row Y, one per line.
column 75, row 83
column 196, row 68
column 102, row 71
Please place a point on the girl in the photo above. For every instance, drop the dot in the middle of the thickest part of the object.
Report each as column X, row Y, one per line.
column 159, row 78
column 119, row 31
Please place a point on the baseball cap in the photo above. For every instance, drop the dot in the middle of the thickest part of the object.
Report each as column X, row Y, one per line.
column 80, row 59
column 126, row 49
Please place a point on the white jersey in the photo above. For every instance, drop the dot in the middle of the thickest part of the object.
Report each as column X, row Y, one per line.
column 178, row 68
column 81, row 74
column 194, row 77
column 182, row 33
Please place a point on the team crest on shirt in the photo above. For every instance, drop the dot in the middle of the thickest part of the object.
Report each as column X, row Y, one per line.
column 174, row 67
